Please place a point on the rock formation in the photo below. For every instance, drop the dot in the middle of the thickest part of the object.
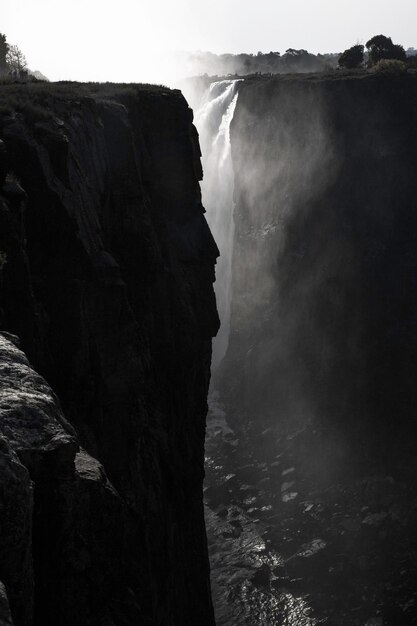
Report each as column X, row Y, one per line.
column 106, row 278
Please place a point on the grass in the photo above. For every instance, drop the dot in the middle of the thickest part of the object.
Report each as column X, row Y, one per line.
column 40, row 100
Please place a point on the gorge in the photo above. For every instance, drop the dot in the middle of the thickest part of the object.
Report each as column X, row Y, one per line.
column 311, row 441
column 106, row 284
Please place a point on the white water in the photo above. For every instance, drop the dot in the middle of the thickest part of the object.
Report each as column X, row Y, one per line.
column 213, row 120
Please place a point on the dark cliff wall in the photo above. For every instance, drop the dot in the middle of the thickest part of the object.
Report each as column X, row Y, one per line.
column 108, row 285
column 324, row 296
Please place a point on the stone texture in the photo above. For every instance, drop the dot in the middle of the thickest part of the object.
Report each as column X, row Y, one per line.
column 62, row 532
column 108, row 284
column 16, row 509
column 5, row 617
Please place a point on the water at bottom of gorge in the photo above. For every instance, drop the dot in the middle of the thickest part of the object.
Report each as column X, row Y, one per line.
column 289, row 550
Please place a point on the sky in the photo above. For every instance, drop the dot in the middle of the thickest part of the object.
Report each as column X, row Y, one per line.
column 133, row 40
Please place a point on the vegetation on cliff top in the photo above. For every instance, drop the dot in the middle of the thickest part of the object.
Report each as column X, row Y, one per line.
column 294, row 61
column 379, row 48
column 352, row 57
column 12, row 60
column 40, row 101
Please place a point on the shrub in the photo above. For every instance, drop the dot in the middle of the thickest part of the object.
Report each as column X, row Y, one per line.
column 390, row 66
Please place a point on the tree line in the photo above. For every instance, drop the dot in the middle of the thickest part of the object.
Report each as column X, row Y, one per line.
column 378, row 48
column 291, row 61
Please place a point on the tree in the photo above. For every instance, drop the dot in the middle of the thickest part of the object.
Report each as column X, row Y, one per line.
column 412, row 61
column 381, row 47
column 352, row 57
column 4, row 48
column 398, row 53
column 16, row 60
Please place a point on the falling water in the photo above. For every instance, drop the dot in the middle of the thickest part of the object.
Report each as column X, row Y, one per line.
column 250, row 577
column 213, row 121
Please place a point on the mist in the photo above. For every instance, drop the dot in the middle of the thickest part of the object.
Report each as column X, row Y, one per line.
column 213, row 118
column 307, row 370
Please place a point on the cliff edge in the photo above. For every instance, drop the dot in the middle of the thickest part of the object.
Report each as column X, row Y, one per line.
column 107, row 269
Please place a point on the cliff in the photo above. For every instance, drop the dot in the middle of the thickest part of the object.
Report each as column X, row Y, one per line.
column 311, row 449
column 324, row 277
column 106, row 278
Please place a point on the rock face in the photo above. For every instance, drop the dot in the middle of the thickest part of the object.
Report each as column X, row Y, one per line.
column 5, row 617
column 324, row 295
column 107, row 272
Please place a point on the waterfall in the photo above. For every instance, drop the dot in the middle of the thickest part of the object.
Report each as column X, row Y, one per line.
column 213, row 121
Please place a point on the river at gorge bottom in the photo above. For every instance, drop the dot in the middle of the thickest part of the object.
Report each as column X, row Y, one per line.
column 289, row 548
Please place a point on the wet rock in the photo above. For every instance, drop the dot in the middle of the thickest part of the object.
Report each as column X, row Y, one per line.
column 217, row 495
column 262, row 576
column 236, row 523
column 232, row 533
column 222, row 512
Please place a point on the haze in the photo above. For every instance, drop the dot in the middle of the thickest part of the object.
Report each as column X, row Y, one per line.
column 131, row 40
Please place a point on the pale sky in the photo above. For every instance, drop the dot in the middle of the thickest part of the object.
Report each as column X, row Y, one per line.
column 125, row 40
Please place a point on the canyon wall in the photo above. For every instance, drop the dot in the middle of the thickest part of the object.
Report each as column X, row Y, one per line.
column 106, row 282
column 324, row 301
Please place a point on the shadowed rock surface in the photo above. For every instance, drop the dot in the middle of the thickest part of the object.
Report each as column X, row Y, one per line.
column 5, row 617
column 108, row 284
